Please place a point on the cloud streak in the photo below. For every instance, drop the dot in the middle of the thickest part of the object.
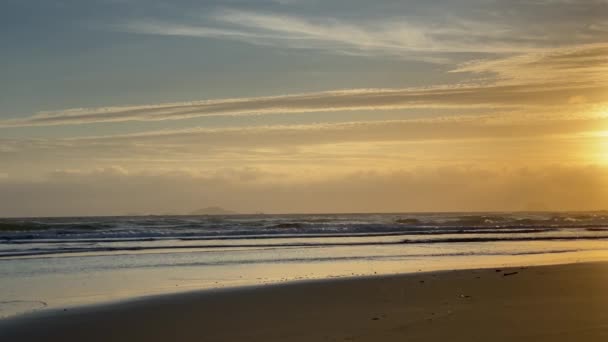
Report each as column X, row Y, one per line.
column 364, row 99
column 401, row 36
column 397, row 38
column 585, row 63
column 334, row 146
column 361, row 99
column 534, row 81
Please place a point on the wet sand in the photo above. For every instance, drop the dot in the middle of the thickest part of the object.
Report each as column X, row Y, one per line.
column 547, row 303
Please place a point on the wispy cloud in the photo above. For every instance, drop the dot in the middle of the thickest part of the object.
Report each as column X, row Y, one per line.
column 586, row 63
column 301, row 142
column 538, row 81
column 393, row 36
column 363, row 99
column 171, row 29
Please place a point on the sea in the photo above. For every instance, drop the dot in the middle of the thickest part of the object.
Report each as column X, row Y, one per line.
column 60, row 263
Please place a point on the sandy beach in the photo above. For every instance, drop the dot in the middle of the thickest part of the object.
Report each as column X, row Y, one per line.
column 547, row 303
column 304, row 171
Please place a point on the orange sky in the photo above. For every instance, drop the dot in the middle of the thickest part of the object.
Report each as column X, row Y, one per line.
column 344, row 114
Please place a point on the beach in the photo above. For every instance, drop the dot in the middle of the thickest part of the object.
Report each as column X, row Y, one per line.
column 62, row 263
column 544, row 303
column 289, row 170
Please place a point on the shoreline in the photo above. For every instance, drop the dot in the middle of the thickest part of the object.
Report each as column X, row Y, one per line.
column 353, row 308
column 53, row 305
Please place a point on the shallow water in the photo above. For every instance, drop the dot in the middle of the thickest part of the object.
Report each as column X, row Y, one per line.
column 60, row 262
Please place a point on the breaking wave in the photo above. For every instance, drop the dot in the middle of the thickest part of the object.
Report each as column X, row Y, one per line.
column 48, row 236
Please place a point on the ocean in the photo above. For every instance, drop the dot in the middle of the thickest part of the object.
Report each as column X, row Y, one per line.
column 64, row 262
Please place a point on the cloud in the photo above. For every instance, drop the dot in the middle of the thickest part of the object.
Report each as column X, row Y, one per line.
column 318, row 150
column 167, row 29
column 392, row 36
column 436, row 129
column 585, row 64
column 442, row 128
column 533, row 82
column 599, row 27
column 359, row 99
column 465, row 188
column 410, row 31
column 490, row 97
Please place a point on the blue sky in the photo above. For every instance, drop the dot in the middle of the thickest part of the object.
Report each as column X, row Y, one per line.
column 130, row 88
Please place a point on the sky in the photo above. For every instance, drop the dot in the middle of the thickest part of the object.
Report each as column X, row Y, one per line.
column 115, row 107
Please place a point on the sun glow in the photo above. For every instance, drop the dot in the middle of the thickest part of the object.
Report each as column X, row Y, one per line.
column 603, row 149
column 600, row 147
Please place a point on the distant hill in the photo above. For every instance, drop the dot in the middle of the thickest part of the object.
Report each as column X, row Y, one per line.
column 213, row 211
